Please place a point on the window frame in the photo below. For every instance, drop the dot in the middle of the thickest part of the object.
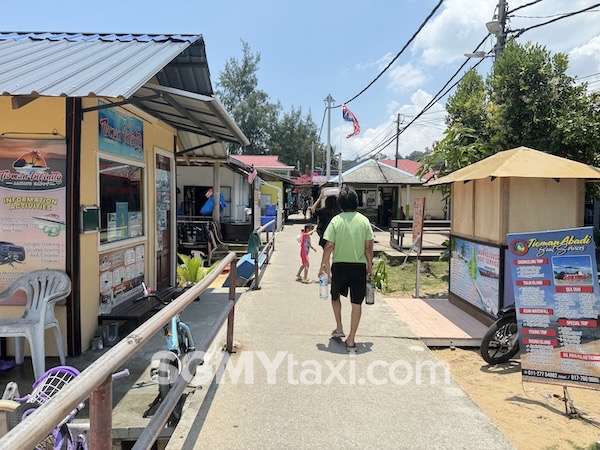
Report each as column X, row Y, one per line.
column 104, row 246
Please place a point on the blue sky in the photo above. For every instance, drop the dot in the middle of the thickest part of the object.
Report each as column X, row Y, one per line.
column 313, row 48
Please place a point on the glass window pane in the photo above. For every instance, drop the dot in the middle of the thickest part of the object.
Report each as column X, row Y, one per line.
column 121, row 202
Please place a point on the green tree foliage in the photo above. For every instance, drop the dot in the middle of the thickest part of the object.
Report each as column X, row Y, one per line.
column 294, row 137
column 460, row 147
column 416, row 155
column 527, row 100
column 533, row 102
column 467, row 107
column 290, row 136
column 464, row 140
column 250, row 107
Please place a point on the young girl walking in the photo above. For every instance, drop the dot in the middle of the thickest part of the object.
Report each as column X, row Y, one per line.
column 305, row 247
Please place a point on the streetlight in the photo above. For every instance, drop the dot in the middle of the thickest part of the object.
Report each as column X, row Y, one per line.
column 494, row 27
column 477, row 54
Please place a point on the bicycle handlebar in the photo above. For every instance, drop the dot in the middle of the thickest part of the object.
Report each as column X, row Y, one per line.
column 151, row 295
column 121, row 374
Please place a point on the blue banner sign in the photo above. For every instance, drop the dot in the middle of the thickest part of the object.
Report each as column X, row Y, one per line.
column 555, row 283
column 475, row 274
column 120, row 133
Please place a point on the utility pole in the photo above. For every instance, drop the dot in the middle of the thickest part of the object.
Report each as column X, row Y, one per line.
column 340, row 170
column 312, row 158
column 501, row 36
column 329, row 101
column 397, row 136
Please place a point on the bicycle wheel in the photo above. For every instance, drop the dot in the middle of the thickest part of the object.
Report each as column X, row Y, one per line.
column 168, row 370
column 19, row 414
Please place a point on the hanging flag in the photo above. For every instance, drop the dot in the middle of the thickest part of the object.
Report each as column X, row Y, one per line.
column 350, row 117
column 252, row 174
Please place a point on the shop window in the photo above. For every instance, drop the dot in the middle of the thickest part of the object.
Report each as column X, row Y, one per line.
column 121, row 201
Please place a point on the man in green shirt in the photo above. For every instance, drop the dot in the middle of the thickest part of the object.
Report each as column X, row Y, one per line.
column 349, row 238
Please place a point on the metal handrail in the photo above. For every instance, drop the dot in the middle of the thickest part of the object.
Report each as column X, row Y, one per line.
column 267, row 249
column 96, row 381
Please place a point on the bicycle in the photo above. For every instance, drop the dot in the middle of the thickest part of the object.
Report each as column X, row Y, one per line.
column 179, row 344
column 46, row 387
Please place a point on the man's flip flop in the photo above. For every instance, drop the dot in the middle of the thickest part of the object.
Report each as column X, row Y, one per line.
column 337, row 334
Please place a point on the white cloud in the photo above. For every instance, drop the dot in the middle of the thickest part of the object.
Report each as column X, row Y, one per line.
column 585, row 60
column 392, row 107
column 461, row 26
column 417, row 137
column 405, row 77
column 454, row 31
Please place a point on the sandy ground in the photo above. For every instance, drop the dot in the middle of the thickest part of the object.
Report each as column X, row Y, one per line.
column 528, row 414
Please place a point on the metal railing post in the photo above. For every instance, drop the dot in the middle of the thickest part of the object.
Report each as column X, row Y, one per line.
column 232, row 278
column 256, row 271
column 101, row 416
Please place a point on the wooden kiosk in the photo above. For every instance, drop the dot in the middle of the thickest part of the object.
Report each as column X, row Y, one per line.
column 515, row 190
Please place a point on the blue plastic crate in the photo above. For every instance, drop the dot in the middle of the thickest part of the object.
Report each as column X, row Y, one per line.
column 265, row 220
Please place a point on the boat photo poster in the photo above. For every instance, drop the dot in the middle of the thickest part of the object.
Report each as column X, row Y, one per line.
column 555, row 283
column 475, row 274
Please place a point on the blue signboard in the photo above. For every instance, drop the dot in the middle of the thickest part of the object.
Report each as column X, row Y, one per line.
column 475, row 274
column 120, row 133
column 555, row 283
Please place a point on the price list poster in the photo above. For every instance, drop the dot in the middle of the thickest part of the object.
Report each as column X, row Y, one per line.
column 555, row 282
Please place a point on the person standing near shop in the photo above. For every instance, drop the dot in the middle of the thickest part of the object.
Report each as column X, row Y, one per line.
column 324, row 215
column 349, row 239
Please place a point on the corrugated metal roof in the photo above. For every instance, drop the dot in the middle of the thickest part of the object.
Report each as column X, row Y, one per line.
column 125, row 66
column 374, row 172
column 102, row 65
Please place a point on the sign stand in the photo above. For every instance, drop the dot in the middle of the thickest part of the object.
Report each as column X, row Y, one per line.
column 570, row 409
column 417, row 235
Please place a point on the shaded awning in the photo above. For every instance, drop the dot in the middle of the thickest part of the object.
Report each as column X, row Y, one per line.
column 201, row 121
column 521, row 162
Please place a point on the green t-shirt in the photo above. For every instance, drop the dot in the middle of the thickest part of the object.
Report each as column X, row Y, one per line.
column 349, row 231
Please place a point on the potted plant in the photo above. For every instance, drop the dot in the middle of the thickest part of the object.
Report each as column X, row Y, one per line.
column 191, row 270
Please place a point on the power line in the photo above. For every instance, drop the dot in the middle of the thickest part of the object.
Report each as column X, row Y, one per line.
column 439, row 95
column 443, row 91
column 523, row 30
column 398, row 54
column 386, row 130
column 588, row 76
column 523, row 6
column 322, row 123
column 434, row 100
column 548, row 16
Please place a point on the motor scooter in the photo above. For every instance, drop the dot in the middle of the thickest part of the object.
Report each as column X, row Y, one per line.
column 501, row 341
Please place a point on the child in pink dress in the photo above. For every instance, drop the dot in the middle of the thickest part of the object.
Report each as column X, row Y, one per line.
column 305, row 247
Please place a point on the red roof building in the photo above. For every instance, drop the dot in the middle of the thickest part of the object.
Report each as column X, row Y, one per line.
column 270, row 163
column 409, row 166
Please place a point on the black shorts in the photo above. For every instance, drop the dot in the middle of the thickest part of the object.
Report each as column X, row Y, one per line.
column 322, row 243
column 349, row 276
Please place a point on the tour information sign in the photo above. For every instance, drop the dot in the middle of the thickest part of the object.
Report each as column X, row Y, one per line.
column 555, row 284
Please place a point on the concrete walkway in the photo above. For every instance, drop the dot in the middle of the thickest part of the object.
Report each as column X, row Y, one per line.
column 290, row 386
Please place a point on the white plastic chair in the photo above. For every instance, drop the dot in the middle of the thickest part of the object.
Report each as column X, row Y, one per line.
column 44, row 288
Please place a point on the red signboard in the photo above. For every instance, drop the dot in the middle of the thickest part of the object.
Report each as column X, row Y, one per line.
column 417, row 229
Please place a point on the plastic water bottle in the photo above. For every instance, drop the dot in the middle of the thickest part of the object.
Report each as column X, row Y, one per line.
column 107, row 294
column 323, row 287
column 370, row 293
